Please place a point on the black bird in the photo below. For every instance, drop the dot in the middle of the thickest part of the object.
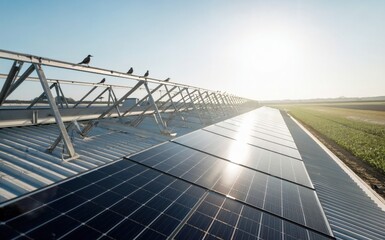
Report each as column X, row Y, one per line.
column 86, row 60
column 168, row 79
column 103, row 80
column 130, row 71
column 146, row 74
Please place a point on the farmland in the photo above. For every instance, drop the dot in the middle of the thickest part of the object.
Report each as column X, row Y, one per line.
column 358, row 128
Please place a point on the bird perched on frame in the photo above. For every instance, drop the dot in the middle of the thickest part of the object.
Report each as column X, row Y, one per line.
column 146, row 74
column 168, row 79
column 103, row 80
column 86, row 60
column 130, row 71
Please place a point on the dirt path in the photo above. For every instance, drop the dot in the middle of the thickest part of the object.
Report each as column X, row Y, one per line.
column 370, row 175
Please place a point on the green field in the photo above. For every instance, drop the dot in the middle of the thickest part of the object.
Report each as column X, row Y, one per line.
column 358, row 128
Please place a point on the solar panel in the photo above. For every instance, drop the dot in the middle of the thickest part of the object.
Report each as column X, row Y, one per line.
column 244, row 154
column 218, row 217
column 136, row 203
column 255, row 141
column 263, row 191
column 258, row 129
column 267, row 136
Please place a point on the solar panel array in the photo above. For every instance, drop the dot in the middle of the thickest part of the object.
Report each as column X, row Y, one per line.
column 242, row 179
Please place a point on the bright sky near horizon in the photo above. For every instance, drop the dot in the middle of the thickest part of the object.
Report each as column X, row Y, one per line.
column 263, row 50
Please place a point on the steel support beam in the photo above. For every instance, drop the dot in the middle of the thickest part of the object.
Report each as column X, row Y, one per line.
column 84, row 97
column 93, row 101
column 63, row 132
column 220, row 105
column 193, row 104
column 36, row 100
column 157, row 115
column 12, row 75
column 139, row 119
column 21, row 79
column 63, row 97
column 205, row 105
column 90, row 124
column 141, row 100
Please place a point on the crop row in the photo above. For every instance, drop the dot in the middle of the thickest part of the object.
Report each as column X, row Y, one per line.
column 364, row 140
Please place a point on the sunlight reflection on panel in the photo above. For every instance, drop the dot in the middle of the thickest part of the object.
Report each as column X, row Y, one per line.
column 239, row 150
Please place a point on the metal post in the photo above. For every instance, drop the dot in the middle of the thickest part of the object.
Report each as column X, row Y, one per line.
column 10, row 79
column 63, row 132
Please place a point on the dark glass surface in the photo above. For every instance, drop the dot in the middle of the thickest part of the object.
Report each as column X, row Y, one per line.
column 105, row 220
column 19, row 207
column 50, row 194
column 54, row 229
column 34, row 218
column 165, row 224
column 119, row 202
column 231, row 219
column 255, row 140
column 83, row 232
column 127, row 229
column 67, row 203
column 244, row 154
column 255, row 188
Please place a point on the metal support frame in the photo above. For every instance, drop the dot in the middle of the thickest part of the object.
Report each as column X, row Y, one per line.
column 193, row 104
column 157, row 116
column 142, row 100
column 16, row 66
column 111, row 94
column 84, row 97
column 90, row 124
column 21, row 79
column 205, row 107
column 93, row 101
column 220, row 105
column 140, row 118
column 177, row 110
column 63, row 132
column 62, row 97
column 36, row 100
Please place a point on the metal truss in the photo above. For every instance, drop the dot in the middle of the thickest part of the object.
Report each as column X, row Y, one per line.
column 179, row 100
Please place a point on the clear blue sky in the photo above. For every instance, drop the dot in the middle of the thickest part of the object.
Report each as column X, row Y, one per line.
column 256, row 49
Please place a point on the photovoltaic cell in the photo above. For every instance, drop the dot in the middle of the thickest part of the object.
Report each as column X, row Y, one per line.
column 257, row 189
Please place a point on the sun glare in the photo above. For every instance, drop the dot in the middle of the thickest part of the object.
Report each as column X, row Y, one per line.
column 238, row 151
column 273, row 56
